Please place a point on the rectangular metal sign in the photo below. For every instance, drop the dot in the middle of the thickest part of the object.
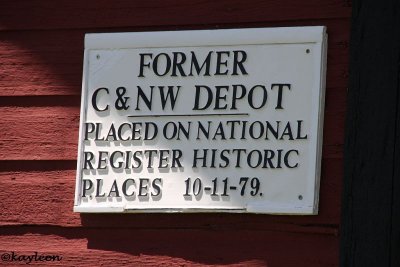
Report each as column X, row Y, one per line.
column 202, row 121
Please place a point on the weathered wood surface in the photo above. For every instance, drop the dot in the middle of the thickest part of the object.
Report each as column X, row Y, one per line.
column 371, row 197
column 47, row 14
column 46, row 197
column 51, row 133
column 174, row 247
column 41, row 58
column 44, row 63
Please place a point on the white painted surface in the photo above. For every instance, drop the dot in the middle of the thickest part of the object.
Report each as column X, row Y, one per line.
column 277, row 55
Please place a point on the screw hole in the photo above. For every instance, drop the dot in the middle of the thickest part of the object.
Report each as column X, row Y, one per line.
column 308, row 51
column 300, row 197
column 98, row 56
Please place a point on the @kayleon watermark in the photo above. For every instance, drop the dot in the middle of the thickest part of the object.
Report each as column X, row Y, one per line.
column 28, row 258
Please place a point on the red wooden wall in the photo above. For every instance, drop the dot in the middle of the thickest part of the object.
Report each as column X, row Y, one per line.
column 41, row 58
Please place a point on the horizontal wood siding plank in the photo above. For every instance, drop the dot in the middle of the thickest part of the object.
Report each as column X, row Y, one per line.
column 39, row 133
column 46, row 197
column 51, row 133
column 24, row 15
column 50, row 62
column 176, row 247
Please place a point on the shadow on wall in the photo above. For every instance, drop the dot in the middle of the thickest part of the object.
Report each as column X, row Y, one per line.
column 210, row 244
column 210, row 239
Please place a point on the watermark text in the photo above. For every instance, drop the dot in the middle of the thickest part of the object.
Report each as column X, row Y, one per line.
column 28, row 258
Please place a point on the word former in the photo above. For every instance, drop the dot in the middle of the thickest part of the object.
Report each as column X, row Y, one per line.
column 187, row 64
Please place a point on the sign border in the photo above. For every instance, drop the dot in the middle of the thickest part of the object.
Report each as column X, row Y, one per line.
column 222, row 37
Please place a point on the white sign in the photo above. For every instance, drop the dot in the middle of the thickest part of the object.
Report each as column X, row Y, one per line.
column 202, row 121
